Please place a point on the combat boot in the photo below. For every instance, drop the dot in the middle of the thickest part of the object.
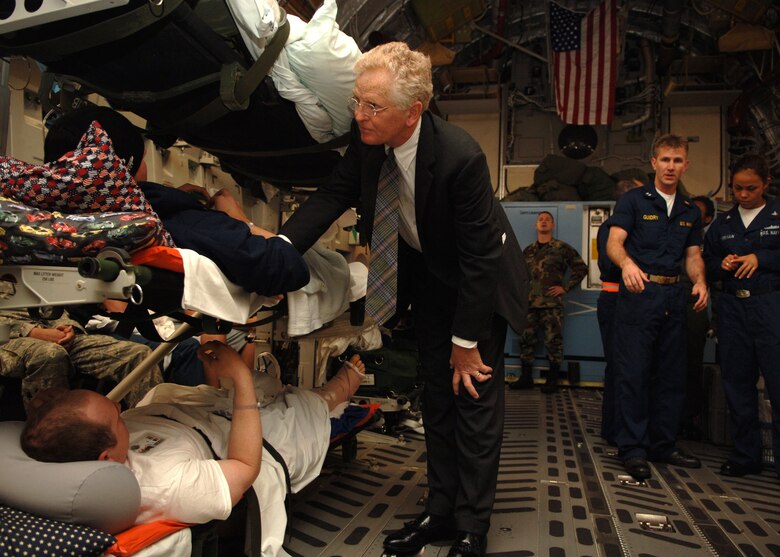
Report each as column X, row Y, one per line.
column 526, row 380
column 551, row 385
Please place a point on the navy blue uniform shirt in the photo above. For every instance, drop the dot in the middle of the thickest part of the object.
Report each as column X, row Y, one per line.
column 657, row 242
column 728, row 235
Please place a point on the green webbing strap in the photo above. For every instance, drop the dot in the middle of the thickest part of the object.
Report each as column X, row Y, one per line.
column 278, row 458
column 148, row 97
column 236, row 86
column 110, row 30
column 334, row 143
column 253, row 527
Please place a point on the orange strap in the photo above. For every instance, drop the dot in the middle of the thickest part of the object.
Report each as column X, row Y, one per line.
column 161, row 257
column 140, row 536
column 610, row 286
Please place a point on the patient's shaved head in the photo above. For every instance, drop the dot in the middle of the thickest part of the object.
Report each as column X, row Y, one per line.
column 59, row 430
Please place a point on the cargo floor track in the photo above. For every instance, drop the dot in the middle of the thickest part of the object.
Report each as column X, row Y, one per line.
column 561, row 492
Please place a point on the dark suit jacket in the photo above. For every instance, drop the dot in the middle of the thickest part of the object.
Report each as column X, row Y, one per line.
column 459, row 220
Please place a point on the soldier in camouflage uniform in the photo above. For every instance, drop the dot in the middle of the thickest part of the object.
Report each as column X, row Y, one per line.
column 548, row 260
column 46, row 353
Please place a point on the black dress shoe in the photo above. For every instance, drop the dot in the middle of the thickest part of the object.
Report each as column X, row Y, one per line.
column 550, row 386
column 523, row 382
column 679, row 458
column 637, row 467
column 690, row 432
column 468, row 545
column 415, row 534
column 737, row 470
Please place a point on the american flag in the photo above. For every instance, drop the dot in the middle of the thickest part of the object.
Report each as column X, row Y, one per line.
column 585, row 48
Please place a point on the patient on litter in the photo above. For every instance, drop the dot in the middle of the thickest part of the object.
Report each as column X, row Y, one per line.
column 196, row 450
column 248, row 255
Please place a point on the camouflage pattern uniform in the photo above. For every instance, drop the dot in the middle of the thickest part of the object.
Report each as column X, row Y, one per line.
column 547, row 264
column 42, row 364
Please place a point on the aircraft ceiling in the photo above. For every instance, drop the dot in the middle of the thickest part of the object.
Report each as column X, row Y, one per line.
column 700, row 47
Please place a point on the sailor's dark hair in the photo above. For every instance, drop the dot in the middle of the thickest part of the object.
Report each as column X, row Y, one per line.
column 756, row 163
column 708, row 204
column 66, row 131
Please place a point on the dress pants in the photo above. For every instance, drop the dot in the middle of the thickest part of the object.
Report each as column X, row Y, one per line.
column 463, row 435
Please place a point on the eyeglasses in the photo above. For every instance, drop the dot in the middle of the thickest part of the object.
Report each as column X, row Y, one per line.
column 369, row 109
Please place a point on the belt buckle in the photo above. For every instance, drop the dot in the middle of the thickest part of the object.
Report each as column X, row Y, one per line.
column 741, row 293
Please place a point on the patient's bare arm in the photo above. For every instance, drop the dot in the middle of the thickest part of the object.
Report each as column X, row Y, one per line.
column 225, row 202
column 244, row 453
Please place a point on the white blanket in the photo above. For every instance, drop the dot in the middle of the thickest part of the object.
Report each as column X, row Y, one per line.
column 325, row 296
column 209, row 291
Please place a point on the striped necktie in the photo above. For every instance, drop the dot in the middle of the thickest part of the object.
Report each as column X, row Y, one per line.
column 383, row 270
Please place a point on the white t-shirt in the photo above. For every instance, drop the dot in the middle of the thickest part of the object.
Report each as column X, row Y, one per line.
column 669, row 198
column 177, row 473
column 179, row 478
column 749, row 214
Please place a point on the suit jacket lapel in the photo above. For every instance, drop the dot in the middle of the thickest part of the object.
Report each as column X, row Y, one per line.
column 423, row 171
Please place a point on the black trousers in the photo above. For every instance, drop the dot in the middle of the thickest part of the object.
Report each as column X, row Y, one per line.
column 463, row 435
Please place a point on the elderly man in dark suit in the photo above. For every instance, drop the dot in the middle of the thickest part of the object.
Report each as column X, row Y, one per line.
column 458, row 264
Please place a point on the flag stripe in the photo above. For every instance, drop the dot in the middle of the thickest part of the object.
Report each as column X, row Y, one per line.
column 585, row 52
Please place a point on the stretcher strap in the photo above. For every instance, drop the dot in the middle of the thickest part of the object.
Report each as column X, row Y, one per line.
column 278, row 458
column 137, row 97
column 110, row 30
column 141, row 536
column 335, row 143
column 236, row 86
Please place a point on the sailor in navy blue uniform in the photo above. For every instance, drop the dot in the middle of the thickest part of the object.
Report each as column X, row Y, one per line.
column 652, row 230
column 605, row 313
column 742, row 249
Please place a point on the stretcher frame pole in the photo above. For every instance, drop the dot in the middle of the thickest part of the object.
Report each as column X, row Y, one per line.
column 157, row 355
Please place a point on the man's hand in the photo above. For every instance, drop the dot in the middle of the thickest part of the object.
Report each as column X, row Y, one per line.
column 222, row 361
column 199, row 192
column 68, row 334
column 555, row 291
column 62, row 335
column 633, row 277
column 467, row 367
column 700, row 291
column 225, row 202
